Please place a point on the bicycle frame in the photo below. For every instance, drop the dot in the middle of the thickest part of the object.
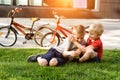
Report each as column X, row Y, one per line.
column 14, row 25
column 63, row 30
column 11, row 31
column 60, row 29
column 19, row 26
column 57, row 35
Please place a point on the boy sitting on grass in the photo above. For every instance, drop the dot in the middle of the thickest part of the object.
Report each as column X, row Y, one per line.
column 94, row 50
column 59, row 55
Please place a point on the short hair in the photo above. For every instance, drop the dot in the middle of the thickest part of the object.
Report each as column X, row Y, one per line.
column 80, row 29
column 97, row 27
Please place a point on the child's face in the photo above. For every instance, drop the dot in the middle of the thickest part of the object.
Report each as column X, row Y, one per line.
column 77, row 37
column 93, row 35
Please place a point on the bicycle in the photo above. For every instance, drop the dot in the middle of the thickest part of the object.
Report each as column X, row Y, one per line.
column 54, row 38
column 8, row 34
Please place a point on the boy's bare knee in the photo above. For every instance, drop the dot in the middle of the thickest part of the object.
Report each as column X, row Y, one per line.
column 53, row 62
column 42, row 61
column 83, row 59
column 91, row 53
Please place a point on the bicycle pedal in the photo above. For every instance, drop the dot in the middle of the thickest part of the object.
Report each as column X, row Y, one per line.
column 24, row 42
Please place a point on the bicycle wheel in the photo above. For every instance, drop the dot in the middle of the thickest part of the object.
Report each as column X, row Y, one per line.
column 40, row 33
column 45, row 41
column 7, row 39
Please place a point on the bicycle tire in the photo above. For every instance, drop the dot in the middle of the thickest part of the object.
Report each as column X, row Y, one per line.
column 40, row 33
column 8, row 41
column 45, row 41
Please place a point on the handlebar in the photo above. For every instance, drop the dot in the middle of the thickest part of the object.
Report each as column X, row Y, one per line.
column 57, row 17
column 14, row 11
column 17, row 9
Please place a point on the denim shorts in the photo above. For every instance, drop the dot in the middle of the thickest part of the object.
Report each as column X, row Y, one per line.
column 53, row 53
column 94, row 59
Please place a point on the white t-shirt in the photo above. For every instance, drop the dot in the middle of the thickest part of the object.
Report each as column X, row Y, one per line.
column 67, row 44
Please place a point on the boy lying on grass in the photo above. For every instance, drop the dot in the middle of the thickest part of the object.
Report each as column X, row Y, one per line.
column 74, row 46
column 59, row 55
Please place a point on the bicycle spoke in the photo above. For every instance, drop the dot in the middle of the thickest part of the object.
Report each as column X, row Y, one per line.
column 45, row 41
column 9, row 40
column 40, row 33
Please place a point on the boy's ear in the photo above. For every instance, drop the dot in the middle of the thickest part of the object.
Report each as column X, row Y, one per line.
column 99, row 35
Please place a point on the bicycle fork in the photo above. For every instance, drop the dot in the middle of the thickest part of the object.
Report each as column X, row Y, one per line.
column 52, row 39
column 8, row 32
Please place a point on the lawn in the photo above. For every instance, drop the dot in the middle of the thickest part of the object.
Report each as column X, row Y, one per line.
column 13, row 66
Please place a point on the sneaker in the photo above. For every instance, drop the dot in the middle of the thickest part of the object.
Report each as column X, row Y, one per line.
column 95, row 59
column 33, row 58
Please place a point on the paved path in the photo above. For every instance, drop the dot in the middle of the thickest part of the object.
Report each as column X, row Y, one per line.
column 110, row 37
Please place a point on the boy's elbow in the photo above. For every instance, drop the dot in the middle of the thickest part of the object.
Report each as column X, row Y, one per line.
column 64, row 54
column 90, row 47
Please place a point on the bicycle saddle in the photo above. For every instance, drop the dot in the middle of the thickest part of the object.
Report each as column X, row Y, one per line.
column 35, row 19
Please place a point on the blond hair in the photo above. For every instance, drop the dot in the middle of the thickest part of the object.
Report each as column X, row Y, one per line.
column 80, row 29
column 97, row 28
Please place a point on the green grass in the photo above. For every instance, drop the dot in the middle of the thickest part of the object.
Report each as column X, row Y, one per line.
column 13, row 66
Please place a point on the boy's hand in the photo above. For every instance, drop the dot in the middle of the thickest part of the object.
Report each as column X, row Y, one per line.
column 83, row 49
column 72, row 39
column 74, row 54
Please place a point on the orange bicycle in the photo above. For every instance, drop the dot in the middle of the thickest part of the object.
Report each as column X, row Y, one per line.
column 54, row 38
column 8, row 34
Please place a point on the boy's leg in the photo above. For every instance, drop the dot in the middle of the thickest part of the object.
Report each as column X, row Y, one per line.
column 49, row 55
column 33, row 58
column 57, row 61
column 53, row 62
column 72, row 54
column 76, row 53
column 44, row 60
column 61, row 61
column 90, row 53
column 94, row 59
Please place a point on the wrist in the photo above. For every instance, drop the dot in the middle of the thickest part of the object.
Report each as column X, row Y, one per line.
column 75, row 42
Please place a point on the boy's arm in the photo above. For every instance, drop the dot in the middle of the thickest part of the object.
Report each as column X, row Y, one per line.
column 81, row 47
column 66, row 51
column 72, row 53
